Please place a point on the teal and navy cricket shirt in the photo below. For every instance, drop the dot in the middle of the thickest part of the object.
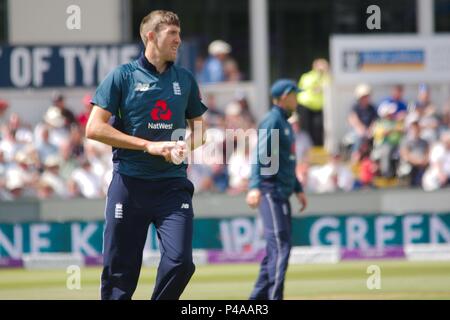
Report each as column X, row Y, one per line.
column 284, row 180
column 149, row 105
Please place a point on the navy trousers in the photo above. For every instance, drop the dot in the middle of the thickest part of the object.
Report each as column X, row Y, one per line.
column 132, row 205
column 276, row 216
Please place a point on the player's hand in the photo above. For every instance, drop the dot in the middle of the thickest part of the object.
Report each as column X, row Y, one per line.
column 160, row 148
column 253, row 198
column 179, row 153
column 302, row 200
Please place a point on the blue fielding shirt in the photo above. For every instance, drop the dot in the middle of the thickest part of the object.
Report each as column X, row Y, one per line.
column 149, row 105
column 284, row 181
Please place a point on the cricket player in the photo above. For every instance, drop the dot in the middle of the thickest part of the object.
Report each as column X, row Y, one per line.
column 137, row 110
column 270, row 190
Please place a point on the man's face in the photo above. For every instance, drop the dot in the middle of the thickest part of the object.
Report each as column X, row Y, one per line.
column 364, row 101
column 291, row 101
column 397, row 93
column 167, row 41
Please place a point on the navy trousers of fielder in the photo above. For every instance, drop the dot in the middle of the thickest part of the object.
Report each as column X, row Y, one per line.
column 132, row 204
column 276, row 216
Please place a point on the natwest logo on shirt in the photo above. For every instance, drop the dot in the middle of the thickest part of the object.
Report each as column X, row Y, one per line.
column 161, row 111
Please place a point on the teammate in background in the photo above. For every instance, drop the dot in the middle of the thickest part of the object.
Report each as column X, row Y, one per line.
column 270, row 191
column 147, row 100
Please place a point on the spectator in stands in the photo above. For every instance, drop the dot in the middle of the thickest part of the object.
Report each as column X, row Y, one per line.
column 239, row 167
column 77, row 141
column 22, row 131
column 213, row 68
column 14, row 186
column 231, row 70
column 214, row 117
column 438, row 173
column 51, row 179
column 54, row 121
column 424, row 112
column 44, row 147
column 303, row 145
column 367, row 168
column 3, row 168
column 68, row 162
column 310, row 99
column 361, row 119
column 445, row 119
column 83, row 117
column 59, row 101
column 396, row 99
column 3, row 109
column 84, row 182
column 387, row 132
column 44, row 190
column 22, row 176
column 8, row 144
column 234, row 118
column 245, row 109
column 414, row 153
column 331, row 177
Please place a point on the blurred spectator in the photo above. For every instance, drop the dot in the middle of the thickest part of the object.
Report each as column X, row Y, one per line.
column 214, row 117
column 44, row 190
column 3, row 168
column 367, row 167
column 51, row 178
column 68, row 163
column 239, row 167
column 84, row 182
column 83, row 117
column 22, row 132
column 231, row 70
column 54, row 122
column 77, row 142
column 310, row 99
column 414, row 153
column 233, row 118
column 438, row 173
column 59, row 101
column 361, row 119
column 424, row 112
column 3, row 108
column 45, row 148
column 303, row 142
column 396, row 99
column 387, row 132
column 219, row 66
column 445, row 119
column 330, row 177
column 8, row 144
column 22, row 176
column 245, row 109
column 14, row 186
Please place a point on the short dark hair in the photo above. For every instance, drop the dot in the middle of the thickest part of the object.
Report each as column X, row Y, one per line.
column 154, row 20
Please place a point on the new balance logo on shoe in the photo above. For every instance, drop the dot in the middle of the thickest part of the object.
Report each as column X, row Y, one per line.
column 185, row 206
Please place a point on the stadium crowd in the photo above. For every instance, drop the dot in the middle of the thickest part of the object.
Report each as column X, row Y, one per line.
column 392, row 140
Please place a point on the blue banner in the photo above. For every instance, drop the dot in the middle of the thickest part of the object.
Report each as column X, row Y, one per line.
column 61, row 66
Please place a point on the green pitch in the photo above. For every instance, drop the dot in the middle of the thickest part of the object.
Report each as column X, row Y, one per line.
column 346, row 280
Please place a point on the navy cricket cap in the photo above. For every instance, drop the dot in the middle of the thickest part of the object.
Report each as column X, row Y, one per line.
column 282, row 87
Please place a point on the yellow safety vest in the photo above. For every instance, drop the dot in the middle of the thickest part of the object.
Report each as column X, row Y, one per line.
column 311, row 84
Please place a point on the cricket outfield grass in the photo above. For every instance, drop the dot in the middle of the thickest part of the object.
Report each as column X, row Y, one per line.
column 346, row 280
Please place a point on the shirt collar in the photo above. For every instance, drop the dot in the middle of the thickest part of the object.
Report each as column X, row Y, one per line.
column 283, row 112
column 149, row 66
